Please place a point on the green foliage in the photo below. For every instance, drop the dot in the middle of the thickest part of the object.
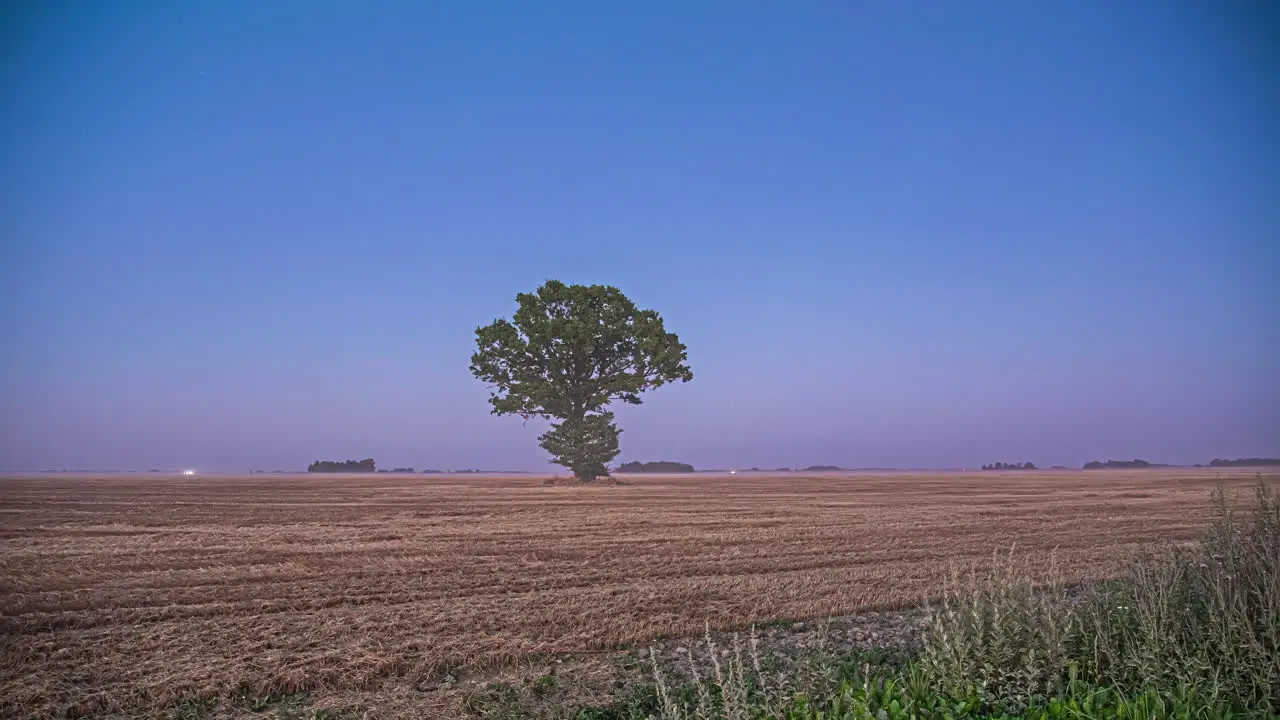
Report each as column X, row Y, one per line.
column 568, row 352
column 659, row 466
column 346, row 466
column 638, row 702
column 194, row 708
column 544, row 684
column 886, row 694
column 1116, row 465
column 1206, row 620
column 998, row 639
column 889, row 699
column 497, row 701
column 855, row 688
column 1245, row 462
column 585, row 445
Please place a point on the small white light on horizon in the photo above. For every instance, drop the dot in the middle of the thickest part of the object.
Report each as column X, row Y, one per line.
column 188, row 471
column 733, row 472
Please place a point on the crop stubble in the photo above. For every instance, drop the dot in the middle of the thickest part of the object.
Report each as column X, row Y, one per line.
column 120, row 593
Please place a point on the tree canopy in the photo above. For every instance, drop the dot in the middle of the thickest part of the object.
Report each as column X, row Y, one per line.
column 1245, row 462
column 567, row 353
column 656, row 466
column 1116, row 465
column 346, row 466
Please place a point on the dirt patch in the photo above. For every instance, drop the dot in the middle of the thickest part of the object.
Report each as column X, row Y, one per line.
column 898, row 631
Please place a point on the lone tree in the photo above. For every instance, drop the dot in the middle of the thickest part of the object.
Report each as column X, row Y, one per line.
column 567, row 353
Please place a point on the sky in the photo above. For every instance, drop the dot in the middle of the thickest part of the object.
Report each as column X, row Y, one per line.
column 242, row 234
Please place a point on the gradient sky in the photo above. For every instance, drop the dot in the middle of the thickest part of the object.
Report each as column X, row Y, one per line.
column 926, row 234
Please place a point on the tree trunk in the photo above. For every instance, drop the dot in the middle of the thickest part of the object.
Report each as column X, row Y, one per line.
column 576, row 415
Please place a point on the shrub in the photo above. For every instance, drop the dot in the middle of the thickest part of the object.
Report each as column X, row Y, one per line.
column 999, row 639
column 1206, row 620
column 659, row 466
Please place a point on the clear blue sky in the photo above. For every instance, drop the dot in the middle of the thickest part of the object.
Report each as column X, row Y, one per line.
column 252, row 234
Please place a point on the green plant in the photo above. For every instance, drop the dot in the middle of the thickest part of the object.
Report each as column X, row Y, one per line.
column 194, row 708
column 568, row 352
column 999, row 638
column 544, row 684
column 495, row 701
column 1202, row 620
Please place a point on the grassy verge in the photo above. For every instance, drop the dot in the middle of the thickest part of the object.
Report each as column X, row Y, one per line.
column 1185, row 632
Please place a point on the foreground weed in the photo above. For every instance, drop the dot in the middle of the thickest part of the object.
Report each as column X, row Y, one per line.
column 496, row 701
column 1202, row 621
column 998, row 637
column 1201, row 624
column 195, row 708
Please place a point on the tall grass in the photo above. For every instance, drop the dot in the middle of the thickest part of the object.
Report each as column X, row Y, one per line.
column 1204, row 621
column 1000, row 639
column 1183, row 632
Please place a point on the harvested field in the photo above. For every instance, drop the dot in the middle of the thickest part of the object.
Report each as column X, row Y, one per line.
column 126, row 595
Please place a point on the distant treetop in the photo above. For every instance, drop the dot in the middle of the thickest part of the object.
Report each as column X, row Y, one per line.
column 346, row 466
column 660, row 466
column 1245, row 462
column 1116, row 465
column 1010, row 466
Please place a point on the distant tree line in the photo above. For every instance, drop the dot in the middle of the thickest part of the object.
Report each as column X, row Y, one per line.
column 1116, row 465
column 660, row 466
column 1010, row 466
column 822, row 468
column 1245, row 462
column 346, row 466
